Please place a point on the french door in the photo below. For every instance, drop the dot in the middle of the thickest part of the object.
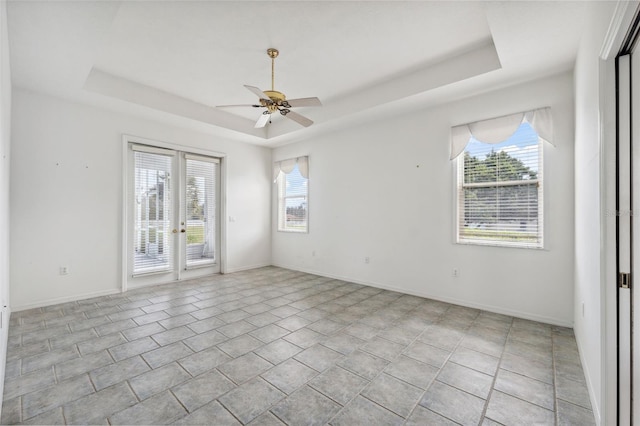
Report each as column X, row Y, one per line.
column 173, row 226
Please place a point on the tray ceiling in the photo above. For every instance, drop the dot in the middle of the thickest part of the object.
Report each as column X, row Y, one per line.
column 364, row 60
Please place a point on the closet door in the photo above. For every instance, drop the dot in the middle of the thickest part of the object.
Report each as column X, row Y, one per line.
column 628, row 198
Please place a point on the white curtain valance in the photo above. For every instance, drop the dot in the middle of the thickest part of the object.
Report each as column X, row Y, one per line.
column 287, row 166
column 499, row 129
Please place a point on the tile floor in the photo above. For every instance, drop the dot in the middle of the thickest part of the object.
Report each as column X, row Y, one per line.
column 272, row 346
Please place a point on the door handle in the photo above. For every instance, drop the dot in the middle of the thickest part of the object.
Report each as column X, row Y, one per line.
column 175, row 231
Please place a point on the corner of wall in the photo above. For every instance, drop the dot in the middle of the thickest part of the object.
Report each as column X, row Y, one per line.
column 593, row 90
column 5, row 155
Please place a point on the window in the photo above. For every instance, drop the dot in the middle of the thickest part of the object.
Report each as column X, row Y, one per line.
column 500, row 191
column 152, row 210
column 292, row 179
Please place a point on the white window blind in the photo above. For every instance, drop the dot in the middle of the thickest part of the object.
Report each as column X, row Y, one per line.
column 500, row 191
column 293, row 194
column 200, row 208
column 153, row 243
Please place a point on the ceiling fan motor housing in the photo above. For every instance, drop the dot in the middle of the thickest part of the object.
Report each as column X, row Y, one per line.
column 278, row 99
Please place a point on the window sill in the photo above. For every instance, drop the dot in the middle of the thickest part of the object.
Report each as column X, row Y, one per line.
column 499, row 245
column 293, row 231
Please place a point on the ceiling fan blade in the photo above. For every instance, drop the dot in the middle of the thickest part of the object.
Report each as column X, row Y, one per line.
column 304, row 102
column 259, row 93
column 262, row 121
column 233, row 106
column 300, row 119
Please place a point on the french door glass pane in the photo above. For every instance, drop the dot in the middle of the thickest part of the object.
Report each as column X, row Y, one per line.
column 153, row 216
column 200, row 214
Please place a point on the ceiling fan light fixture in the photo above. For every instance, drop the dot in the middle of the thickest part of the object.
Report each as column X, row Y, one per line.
column 275, row 101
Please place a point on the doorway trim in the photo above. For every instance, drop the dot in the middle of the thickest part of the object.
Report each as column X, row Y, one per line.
column 617, row 42
column 126, row 140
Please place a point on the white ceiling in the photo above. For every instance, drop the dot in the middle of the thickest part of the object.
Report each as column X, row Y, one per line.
column 177, row 60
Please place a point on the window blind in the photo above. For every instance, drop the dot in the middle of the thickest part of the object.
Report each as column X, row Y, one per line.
column 200, row 209
column 500, row 191
column 153, row 243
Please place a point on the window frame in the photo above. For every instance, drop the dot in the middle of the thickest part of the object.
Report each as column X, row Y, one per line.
column 459, row 186
column 281, row 203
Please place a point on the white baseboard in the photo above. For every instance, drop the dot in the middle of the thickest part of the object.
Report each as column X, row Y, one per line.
column 590, row 388
column 4, row 343
column 246, row 268
column 57, row 300
column 228, row 271
column 460, row 302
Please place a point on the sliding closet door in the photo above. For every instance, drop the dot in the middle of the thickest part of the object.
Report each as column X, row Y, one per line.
column 628, row 232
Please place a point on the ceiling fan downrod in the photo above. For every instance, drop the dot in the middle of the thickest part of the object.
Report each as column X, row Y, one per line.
column 276, row 99
column 273, row 54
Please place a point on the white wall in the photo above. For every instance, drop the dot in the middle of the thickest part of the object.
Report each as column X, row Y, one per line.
column 66, row 197
column 589, row 288
column 386, row 191
column 5, row 155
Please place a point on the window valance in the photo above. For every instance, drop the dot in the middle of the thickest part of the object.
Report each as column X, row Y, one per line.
column 499, row 129
column 287, row 166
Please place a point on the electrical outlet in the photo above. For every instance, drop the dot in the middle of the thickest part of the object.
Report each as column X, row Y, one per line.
column 455, row 273
column 313, row 253
column 367, row 260
column 64, row 270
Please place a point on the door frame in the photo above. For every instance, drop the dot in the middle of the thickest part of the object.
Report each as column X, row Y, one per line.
column 626, row 136
column 126, row 140
column 617, row 41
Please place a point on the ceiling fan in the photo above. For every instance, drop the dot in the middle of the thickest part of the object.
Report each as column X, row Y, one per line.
column 275, row 101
